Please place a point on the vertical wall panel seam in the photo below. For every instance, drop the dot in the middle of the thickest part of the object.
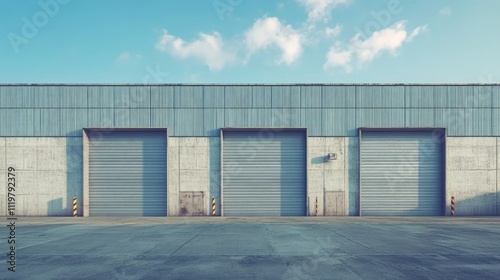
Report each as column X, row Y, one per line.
column 404, row 96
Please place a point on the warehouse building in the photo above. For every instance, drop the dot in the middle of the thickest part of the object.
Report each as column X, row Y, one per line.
column 256, row 150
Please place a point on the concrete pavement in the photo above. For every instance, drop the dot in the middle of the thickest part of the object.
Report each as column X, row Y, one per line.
column 254, row 248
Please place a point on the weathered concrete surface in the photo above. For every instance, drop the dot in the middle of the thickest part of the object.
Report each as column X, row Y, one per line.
column 188, row 170
column 471, row 175
column 48, row 174
column 317, row 248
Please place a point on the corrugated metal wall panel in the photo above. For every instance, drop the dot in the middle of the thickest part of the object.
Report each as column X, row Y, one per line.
column 140, row 97
column 285, row 97
column 339, row 122
column 100, row 97
column 420, row 96
column 401, row 174
column 72, row 97
column 17, row 97
column 125, row 117
column 419, row 117
column 311, row 96
column 440, row 96
column 188, row 122
column 312, row 119
column 236, row 118
column 380, row 117
column 19, row 122
column 188, row 97
column 47, row 97
column 259, row 117
column 261, row 97
column 100, row 118
column 238, row 97
column 121, row 97
column 339, row 96
column 495, row 92
column 62, row 122
column 163, row 118
column 264, row 174
column 213, row 97
column 213, row 120
column 452, row 119
column 162, row 97
column 285, row 117
column 482, row 97
column 127, row 174
column 478, row 122
column 495, row 123
column 458, row 96
column 380, row 97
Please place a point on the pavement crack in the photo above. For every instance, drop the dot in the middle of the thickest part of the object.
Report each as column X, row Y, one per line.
column 187, row 242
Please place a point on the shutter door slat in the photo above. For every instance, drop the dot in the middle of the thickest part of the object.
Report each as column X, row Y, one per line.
column 264, row 177
column 127, row 174
column 401, row 174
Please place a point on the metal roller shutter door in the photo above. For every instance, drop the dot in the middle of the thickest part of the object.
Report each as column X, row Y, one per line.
column 127, row 174
column 402, row 174
column 264, row 175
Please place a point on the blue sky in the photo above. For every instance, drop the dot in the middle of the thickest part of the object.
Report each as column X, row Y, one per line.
column 249, row 41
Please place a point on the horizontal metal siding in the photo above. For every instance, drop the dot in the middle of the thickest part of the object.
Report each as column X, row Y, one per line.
column 127, row 174
column 264, row 174
column 401, row 174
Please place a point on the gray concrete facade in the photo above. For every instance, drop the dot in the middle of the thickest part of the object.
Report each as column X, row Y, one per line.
column 49, row 173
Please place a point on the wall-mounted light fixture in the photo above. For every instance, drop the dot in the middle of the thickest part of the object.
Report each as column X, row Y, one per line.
column 331, row 156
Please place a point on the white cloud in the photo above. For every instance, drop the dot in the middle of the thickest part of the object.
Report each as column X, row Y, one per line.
column 267, row 32
column 337, row 57
column 124, row 56
column 388, row 40
column 333, row 32
column 321, row 9
column 416, row 32
column 446, row 11
column 208, row 48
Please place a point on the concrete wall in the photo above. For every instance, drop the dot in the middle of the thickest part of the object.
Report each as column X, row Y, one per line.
column 48, row 174
column 472, row 175
column 338, row 177
column 192, row 167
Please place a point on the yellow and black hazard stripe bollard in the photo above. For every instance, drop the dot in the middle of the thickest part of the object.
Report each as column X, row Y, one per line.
column 75, row 210
column 316, row 206
column 453, row 206
column 213, row 206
